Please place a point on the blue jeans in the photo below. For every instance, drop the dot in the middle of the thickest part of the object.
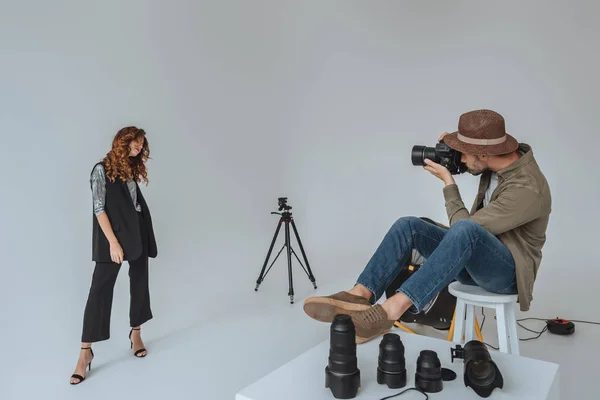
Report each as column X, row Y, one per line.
column 466, row 252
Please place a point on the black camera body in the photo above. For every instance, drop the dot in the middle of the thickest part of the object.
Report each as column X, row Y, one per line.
column 441, row 154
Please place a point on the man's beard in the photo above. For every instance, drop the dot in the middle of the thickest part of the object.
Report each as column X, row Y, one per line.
column 476, row 173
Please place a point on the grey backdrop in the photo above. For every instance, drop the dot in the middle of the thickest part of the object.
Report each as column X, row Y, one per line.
column 243, row 102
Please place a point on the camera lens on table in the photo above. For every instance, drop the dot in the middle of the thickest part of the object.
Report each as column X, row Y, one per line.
column 342, row 375
column 428, row 377
column 391, row 366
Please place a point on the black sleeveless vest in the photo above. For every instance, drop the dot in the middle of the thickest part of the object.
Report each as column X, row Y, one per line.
column 123, row 218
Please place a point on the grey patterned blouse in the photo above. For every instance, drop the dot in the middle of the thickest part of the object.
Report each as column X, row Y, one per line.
column 98, row 182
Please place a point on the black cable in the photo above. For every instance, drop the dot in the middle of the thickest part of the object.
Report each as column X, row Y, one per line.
column 572, row 320
column 481, row 328
column 524, row 327
column 534, row 337
column 404, row 391
column 531, row 330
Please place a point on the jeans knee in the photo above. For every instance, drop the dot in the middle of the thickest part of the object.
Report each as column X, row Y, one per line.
column 407, row 221
column 404, row 224
column 466, row 228
column 466, row 225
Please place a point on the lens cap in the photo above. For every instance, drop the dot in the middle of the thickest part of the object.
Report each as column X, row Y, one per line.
column 448, row 374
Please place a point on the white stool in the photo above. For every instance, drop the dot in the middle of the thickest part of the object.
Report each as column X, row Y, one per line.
column 468, row 297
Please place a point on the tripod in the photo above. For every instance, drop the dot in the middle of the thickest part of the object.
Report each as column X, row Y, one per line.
column 286, row 217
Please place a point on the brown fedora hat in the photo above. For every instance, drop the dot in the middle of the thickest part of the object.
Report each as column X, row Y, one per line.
column 481, row 132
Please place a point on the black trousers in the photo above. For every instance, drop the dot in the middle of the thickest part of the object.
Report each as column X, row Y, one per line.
column 96, row 319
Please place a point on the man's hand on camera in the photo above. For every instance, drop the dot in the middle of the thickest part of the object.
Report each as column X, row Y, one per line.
column 439, row 171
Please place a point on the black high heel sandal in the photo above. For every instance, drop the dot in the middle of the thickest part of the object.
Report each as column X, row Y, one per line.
column 137, row 351
column 89, row 368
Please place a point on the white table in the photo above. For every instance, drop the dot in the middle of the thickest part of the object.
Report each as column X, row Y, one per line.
column 303, row 378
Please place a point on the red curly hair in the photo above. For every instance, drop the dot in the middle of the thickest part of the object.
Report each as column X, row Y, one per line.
column 118, row 163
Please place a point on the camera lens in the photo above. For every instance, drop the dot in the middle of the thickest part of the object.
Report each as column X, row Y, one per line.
column 342, row 375
column 420, row 153
column 481, row 373
column 428, row 377
column 391, row 368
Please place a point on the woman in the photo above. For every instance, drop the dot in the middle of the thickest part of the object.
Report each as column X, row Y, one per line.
column 121, row 231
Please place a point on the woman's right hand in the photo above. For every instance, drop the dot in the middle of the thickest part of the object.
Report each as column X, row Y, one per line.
column 116, row 253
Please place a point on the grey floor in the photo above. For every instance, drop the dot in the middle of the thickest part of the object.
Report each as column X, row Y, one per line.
column 254, row 334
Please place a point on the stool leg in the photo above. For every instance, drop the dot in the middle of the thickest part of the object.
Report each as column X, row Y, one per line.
column 459, row 321
column 451, row 331
column 478, row 331
column 511, row 321
column 470, row 323
column 502, row 331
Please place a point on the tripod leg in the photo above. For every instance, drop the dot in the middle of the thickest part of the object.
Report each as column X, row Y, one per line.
column 310, row 274
column 289, row 257
column 262, row 271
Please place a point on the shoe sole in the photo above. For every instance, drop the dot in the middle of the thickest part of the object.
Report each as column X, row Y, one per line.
column 325, row 309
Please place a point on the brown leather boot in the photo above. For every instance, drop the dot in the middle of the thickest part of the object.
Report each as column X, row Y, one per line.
column 325, row 308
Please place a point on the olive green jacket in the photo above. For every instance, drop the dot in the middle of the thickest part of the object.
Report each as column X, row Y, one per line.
column 517, row 214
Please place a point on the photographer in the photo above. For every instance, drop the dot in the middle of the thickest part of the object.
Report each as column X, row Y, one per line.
column 497, row 245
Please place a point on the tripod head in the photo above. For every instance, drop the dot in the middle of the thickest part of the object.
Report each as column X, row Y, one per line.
column 283, row 204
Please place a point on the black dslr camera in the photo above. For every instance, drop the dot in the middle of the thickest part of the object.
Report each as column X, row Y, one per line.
column 441, row 154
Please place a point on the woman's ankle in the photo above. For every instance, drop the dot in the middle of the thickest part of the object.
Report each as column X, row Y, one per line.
column 396, row 306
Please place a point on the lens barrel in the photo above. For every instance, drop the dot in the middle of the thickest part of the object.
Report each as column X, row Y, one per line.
column 480, row 372
column 428, row 377
column 420, row 153
column 391, row 368
column 342, row 375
